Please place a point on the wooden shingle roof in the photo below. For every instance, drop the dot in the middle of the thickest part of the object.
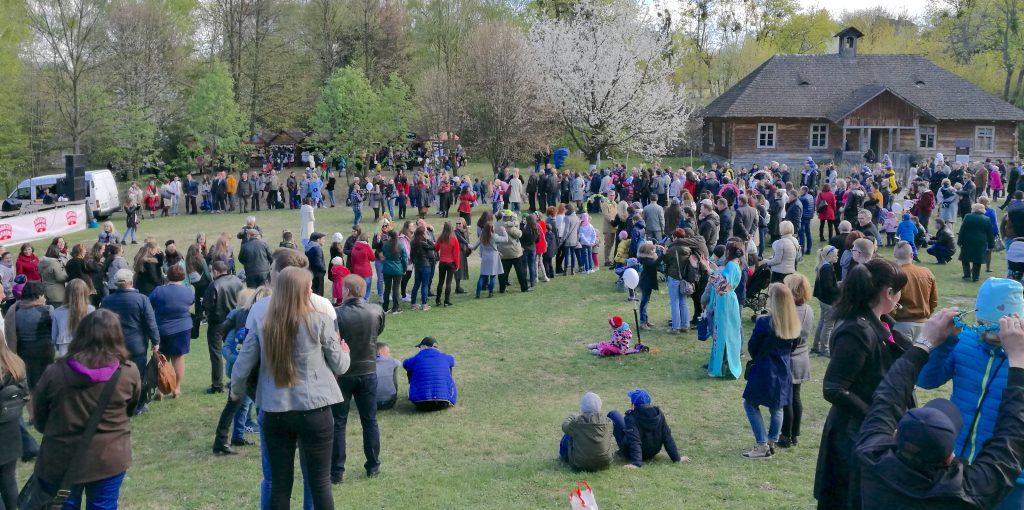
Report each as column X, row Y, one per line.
column 830, row 87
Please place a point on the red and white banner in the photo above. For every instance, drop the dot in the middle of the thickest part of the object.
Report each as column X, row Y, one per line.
column 31, row 226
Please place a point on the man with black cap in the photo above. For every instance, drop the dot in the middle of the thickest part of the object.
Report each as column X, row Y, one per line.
column 431, row 385
column 907, row 458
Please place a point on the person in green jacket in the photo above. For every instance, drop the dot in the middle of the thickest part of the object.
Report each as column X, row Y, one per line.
column 588, row 443
column 395, row 260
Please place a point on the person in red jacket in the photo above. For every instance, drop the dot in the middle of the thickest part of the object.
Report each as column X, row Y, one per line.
column 924, row 206
column 542, row 247
column 361, row 262
column 826, row 213
column 466, row 199
column 28, row 263
column 449, row 258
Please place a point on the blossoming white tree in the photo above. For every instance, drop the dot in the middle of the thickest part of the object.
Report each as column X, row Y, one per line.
column 608, row 78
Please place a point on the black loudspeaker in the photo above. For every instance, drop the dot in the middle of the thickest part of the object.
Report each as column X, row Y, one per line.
column 74, row 177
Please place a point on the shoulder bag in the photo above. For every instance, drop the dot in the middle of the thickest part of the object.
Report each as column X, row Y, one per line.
column 33, row 495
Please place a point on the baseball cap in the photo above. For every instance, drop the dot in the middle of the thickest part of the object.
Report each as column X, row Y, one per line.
column 926, row 434
column 428, row 341
column 124, row 276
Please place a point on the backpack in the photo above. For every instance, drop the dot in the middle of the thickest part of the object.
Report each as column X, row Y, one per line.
column 12, row 400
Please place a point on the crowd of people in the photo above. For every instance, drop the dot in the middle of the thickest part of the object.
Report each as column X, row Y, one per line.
column 83, row 318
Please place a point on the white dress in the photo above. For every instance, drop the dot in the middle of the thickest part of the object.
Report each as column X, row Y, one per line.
column 306, row 219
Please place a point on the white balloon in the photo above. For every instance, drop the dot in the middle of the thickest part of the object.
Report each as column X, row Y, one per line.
column 631, row 278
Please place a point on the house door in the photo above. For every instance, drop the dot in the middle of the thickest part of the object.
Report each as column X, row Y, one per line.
column 876, row 142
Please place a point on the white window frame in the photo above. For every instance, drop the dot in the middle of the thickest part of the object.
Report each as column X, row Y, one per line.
column 711, row 134
column 772, row 129
column 992, row 137
column 812, row 133
column 934, row 133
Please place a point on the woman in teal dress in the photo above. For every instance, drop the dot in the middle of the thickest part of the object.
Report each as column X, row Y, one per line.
column 728, row 335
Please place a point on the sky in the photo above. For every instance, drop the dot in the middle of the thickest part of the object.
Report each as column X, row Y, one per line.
column 914, row 8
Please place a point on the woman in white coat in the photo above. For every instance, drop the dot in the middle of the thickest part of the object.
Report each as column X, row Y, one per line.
column 307, row 219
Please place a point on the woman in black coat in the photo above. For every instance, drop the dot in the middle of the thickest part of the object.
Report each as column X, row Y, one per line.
column 863, row 347
column 975, row 239
column 12, row 374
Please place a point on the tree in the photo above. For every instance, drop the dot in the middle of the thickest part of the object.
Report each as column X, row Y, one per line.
column 609, row 81
column 73, row 37
column 213, row 116
column 14, row 144
column 348, row 114
column 505, row 117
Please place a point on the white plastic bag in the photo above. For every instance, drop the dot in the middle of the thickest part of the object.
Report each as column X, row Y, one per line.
column 582, row 497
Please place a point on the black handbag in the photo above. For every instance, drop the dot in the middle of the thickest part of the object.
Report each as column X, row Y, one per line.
column 34, row 496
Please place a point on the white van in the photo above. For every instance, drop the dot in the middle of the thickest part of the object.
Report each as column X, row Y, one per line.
column 100, row 186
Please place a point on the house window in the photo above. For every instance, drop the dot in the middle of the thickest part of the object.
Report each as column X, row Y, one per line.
column 926, row 137
column 723, row 135
column 766, row 136
column 984, row 138
column 819, row 136
column 711, row 135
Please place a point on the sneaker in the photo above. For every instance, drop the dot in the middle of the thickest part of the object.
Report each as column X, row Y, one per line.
column 646, row 327
column 425, row 308
column 673, row 331
column 760, row 451
column 396, row 311
column 407, row 299
column 415, row 307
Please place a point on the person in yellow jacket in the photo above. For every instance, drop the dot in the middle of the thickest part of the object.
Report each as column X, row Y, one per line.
column 622, row 250
column 232, row 186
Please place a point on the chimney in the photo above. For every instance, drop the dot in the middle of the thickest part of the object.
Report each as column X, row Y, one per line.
column 848, row 42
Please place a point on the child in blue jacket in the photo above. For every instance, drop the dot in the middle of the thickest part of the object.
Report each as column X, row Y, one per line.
column 643, row 431
column 907, row 231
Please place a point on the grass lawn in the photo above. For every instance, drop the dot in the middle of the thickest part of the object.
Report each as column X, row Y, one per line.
column 521, row 368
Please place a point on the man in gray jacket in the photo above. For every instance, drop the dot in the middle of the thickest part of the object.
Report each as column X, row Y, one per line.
column 654, row 221
column 255, row 257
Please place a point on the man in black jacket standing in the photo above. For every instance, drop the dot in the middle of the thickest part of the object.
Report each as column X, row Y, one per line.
column 907, row 458
column 221, row 297
column 315, row 254
column 359, row 323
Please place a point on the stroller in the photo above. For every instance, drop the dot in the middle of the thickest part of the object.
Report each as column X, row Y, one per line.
column 1015, row 260
column 757, row 291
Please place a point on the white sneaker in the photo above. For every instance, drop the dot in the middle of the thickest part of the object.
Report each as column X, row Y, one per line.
column 407, row 299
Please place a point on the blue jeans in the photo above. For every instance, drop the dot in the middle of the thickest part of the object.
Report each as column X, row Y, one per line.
column 586, row 257
column 530, row 258
column 618, row 427
column 369, row 287
column 805, row 235
column 307, row 496
column 757, row 422
column 379, row 266
column 101, row 494
column 645, row 297
column 391, row 207
column 330, row 197
column 761, row 233
column 515, row 206
column 563, row 447
column 129, row 232
column 423, row 275
column 570, row 260
column 677, row 305
column 480, row 283
column 358, row 212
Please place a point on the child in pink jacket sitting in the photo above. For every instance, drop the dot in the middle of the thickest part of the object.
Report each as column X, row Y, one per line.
column 619, row 343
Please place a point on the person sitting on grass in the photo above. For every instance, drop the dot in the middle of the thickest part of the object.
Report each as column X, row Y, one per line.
column 387, row 377
column 643, row 431
column 588, row 443
column 620, row 340
column 431, row 385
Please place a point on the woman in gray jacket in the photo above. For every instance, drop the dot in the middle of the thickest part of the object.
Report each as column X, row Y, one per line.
column 799, row 359
column 300, row 357
column 785, row 251
column 490, row 260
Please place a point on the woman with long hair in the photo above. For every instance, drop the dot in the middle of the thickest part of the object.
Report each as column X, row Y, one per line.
column 172, row 303
column 863, row 347
column 94, row 267
column 449, row 258
column 148, row 274
column 53, row 274
column 423, row 258
column 490, row 259
column 723, row 303
column 64, row 399
column 297, row 352
column 75, row 268
column 221, row 250
column 197, row 270
column 769, row 381
column 12, row 373
column 66, row 318
column 462, row 235
column 395, row 260
column 799, row 359
column 405, row 239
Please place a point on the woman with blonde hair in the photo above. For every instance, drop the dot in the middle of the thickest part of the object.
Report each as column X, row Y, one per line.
column 66, row 318
column 297, row 352
column 799, row 358
column 12, row 373
column 769, row 379
column 221, row 250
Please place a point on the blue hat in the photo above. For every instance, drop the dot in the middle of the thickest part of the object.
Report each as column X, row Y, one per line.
column 639, row 397
column 926, row 435
column 999, row 297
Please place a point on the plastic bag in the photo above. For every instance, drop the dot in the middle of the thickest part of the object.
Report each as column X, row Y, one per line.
column 582, row 497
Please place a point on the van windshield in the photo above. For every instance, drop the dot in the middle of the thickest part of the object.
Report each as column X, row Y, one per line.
column 23, row 194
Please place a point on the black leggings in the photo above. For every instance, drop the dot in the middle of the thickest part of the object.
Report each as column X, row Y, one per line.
column 832, row 227
column 9, row 485
column 792, row 414
column 405, row 282
column 313, row 433
column 444, row 278
column 391, row 297
column 971, row 269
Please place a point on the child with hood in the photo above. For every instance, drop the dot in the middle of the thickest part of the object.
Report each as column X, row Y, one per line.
column 643, row 431
column 978, row 366
column 619, row 343
column 588, row 239
column 889, row 225
column 622, row 251
column 907, row 231
column 588, row 442
column 337, row 275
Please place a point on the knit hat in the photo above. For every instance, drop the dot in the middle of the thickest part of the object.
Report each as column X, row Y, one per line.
column 337, row 237
column 615, row 321
column 623, row 235
column 639, row 397
column 590, row 403
column 926, row 435
column 999, row 297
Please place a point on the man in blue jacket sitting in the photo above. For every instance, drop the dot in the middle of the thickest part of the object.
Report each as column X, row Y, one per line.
column 431, row 385
column 977, row 364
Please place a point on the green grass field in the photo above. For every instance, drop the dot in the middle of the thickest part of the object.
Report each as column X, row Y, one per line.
column 521, row 368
